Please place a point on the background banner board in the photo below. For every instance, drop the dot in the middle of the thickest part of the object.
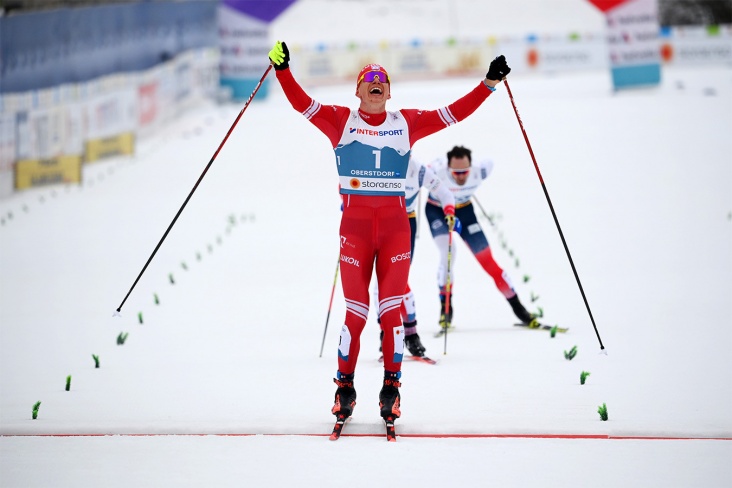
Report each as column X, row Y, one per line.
column 633, row 41
column 46, row 48
column 30, row 173
column 245, row 42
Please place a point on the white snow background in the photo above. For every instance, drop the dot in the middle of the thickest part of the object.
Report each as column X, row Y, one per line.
column 640, row 181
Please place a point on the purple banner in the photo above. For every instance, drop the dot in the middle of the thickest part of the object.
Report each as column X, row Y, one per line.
column 266, row 10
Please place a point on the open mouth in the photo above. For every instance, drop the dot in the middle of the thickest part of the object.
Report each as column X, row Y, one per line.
column 376, row 91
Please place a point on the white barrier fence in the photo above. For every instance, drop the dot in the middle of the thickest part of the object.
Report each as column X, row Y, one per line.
column 47, row 135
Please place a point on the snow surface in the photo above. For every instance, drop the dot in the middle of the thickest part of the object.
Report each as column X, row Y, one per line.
column 640, row 182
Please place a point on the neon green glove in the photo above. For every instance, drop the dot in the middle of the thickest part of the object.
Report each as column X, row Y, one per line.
column 280, row 56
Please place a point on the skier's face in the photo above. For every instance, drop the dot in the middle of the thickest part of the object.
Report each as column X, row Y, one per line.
column 374, row 94
column 459, row 169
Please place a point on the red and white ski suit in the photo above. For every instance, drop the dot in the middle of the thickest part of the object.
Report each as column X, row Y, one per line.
column 372, row 155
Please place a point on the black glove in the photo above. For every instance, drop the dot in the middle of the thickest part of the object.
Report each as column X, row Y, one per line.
column 498, row 69
column 280, row 56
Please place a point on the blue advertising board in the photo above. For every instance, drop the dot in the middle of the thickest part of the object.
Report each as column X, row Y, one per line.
column 70, row 45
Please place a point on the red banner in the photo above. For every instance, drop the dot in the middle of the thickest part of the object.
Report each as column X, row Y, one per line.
column 606, row 5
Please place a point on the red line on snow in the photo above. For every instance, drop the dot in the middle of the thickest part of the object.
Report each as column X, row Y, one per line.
column 422, row 436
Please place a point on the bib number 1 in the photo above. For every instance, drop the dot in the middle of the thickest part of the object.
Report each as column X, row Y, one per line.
column 377, row 156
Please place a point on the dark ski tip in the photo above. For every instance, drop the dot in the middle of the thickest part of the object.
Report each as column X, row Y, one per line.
column 338, row 428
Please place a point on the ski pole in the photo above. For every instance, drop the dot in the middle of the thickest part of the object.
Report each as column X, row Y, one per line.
column 332, row 292
column 266, row 72
column 554, row 214
column 483, row 210
column 448, row 288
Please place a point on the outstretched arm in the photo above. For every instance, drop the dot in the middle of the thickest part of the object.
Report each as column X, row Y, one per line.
column 330, row 119
column 425, row 122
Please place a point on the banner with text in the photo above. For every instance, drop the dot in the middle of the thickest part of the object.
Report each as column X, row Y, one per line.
column 633, row 41
column 245, row 43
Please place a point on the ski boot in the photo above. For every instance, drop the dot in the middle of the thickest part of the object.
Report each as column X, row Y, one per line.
column 345, row 396
column 414, row 345
column 523, row 315
column 389, row 397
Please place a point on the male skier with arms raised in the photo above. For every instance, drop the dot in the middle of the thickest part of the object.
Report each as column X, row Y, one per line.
column 372, row 149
